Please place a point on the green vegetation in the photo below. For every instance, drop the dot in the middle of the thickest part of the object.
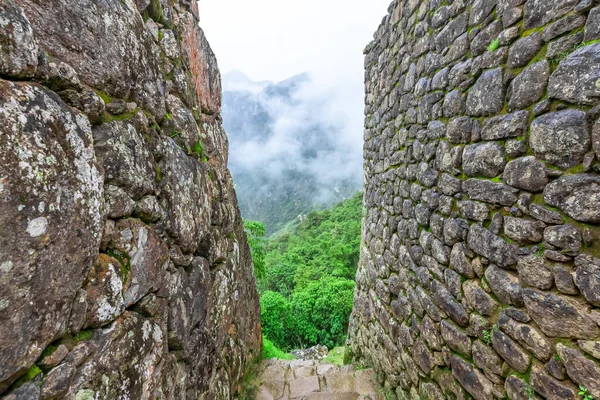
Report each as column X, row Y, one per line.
column 306, row 276
column 199, row 152
column 583, row 392
column 336, row 356
column 561, row 56
column 123, row 259
column 275, row 316
column 255, row 231
column 530, row 392
column 82, row 335
column 487, row 337
column 494, row 45
column 272, row 351
column 29, row 375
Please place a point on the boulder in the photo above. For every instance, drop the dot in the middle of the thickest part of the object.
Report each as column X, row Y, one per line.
column 50, row 200
column 540, row 12
column 529, row 86
column 561, row 138
column 560, row 316
column 575, row 80
column 471, row 379
column 526, row 173
column 484, row 160
column 576, row 195
column 19, row 52
column 492, row 247
column 587, row 278
column 487, row 94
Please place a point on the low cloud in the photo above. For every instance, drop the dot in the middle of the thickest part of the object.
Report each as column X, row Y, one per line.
column 313, row 126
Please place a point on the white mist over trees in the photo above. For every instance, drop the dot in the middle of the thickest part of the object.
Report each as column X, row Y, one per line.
column 296, row 143
column 293, row 145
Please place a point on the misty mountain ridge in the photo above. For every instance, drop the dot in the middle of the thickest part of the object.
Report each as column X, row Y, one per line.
column 291, row 148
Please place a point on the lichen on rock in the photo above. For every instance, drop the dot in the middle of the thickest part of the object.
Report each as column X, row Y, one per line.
column 497, row 223
column 121, row 242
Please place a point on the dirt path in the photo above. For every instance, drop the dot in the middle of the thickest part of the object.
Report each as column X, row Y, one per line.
column 311, row 380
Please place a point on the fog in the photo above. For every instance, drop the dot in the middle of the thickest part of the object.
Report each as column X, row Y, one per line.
column 315, row 129
column 311, row 128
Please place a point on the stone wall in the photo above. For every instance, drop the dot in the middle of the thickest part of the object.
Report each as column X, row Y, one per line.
column 124, row 268
column 480, row 265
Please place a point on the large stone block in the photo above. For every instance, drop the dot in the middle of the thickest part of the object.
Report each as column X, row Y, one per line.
column 576, row 78
column 471, row 379
column 484, row 160
column 528, row 88
column 50, row 202
column 19, row 52
column 487, row 94
column 583, row 371
column 560, row 316
column 98, row 52
column 505, row 285
column 576, row 195
column 527, row 173
column 491, row 246
column 561, row 138
column 125, row 157
column 540, row 12
column 587, row 278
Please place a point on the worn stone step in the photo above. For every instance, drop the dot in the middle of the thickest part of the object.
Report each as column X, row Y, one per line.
column 333, row 396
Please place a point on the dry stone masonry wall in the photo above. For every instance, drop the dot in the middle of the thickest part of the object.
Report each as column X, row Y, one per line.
column 480, row 266
column 125, row 272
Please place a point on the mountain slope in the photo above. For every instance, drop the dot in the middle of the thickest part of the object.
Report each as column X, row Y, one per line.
column 291, row 150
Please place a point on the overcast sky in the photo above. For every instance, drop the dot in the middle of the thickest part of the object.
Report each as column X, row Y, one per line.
column 276, row 39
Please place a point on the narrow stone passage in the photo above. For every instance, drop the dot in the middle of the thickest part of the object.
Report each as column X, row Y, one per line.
column 281, row 379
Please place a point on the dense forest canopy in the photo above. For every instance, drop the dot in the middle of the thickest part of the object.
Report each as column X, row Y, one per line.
column 306, row 276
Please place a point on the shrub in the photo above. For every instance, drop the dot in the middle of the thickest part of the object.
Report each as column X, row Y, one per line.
column 256, row 239
column 494, row 45
column 274, row 317
column 322, row 310
column 270, row 350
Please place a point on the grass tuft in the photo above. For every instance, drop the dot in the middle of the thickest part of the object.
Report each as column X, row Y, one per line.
column 494, row 45
column 272, row 351
column 336, row 356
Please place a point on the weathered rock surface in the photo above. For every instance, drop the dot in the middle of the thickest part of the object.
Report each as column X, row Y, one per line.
column 587, row 278
column 576, row 78
column 561, row 138
column 491, row 246
column 583, row 371
column 529, row 86
column 527, row 173
column 314, row 380
column 124, row 268
column 486, row 96
column 51, row 202
column 481, row 145
column 560, row 316
column 576, row 195
column 18, row 56
column 485, row 159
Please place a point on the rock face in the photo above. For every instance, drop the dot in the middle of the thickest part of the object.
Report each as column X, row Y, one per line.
column 492, row 288
column 124, row 267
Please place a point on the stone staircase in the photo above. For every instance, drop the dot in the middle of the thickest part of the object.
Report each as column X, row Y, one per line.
column 312, row 380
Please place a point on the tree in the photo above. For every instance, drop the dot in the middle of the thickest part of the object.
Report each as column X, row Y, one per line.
column 256, row 239
column 274, row 318
column 321, row 311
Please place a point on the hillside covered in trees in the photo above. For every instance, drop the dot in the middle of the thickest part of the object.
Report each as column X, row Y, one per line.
column 306, row 276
